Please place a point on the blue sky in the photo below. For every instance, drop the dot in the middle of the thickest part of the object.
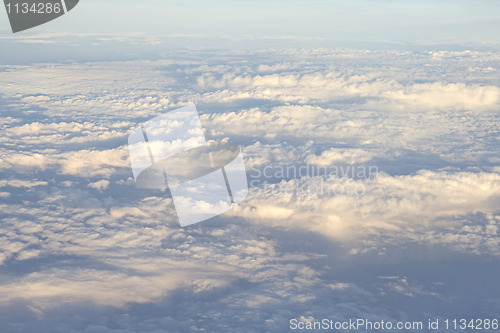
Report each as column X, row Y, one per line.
column 438, row 21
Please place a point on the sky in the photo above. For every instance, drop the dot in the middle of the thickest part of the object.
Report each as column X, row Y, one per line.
column 321, row 22
column 372, row 158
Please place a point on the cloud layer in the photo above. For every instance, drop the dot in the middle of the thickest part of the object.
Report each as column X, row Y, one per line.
column 84, row 250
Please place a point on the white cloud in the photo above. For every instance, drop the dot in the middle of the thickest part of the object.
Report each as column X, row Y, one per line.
column 78, row 239
column 333, row 86
column 22, row 183
column 83, row 163
column 100, row 185
column 400, row 209
column 350, row 156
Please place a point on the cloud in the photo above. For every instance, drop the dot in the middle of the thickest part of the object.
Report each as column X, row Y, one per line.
column 83, row 163
column 350, row 156
column 82, row 249
column 334, row 86
column 402, row 285
column 100, row 185
column 413, row 208
column 22, row 183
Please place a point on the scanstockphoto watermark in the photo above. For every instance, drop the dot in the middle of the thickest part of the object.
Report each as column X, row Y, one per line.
column 484, row 324
column 356, row 325
column 311, row 180
column 205, row 179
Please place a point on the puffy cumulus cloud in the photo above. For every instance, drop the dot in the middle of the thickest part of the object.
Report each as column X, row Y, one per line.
column 293, row 122
column 80, row 285
column 149, row 260
column 447, row 96
column 301, row 88
column 8, row 120
column 60, row 224
column 414, row 208
column 379, row 80
column 83, row 250
column 402, row 137
column 22, row 183
column 195, row 279
column 342, row 97
column 384, row 81
column 74, row 247
column 100, row 185
column 350, row 156
column 81, row 163
column 333, row 86
column 61, row 133
column 22, row 161
column 73, row 87
column 89, row 163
